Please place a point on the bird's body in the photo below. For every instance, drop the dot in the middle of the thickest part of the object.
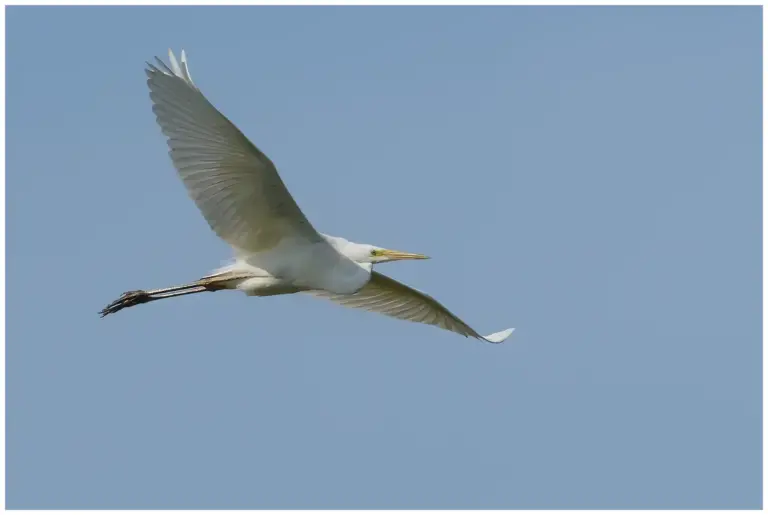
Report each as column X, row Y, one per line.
column 277, row 251
column 291, row 268
column 315, row 265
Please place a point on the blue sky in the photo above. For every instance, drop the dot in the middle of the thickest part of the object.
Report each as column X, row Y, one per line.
column 590, row 176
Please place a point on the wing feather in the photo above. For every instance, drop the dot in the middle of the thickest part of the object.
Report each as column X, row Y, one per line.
column 235, row 186
column 389, row 297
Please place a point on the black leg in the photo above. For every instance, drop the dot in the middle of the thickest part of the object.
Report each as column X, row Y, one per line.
column 136, row 297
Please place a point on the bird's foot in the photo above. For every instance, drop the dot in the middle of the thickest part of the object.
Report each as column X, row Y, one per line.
column 126, row 300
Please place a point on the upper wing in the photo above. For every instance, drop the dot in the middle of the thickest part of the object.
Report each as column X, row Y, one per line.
column 233, row 183
column 392, row 298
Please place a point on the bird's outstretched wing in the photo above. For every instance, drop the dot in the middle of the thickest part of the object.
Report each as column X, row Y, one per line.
column 233, row 183
column 384, row 295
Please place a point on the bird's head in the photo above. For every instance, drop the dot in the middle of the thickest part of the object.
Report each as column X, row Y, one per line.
column 372, row 254
column 363, row 253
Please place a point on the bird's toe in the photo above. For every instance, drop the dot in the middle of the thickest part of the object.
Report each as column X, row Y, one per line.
column 126, row 300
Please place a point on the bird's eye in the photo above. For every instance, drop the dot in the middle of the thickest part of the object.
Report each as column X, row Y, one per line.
column 374, row 253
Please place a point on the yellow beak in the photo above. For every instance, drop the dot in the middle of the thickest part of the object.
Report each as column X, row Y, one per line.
column 395, row 255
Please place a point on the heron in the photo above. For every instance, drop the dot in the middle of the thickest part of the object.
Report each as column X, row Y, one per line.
column 277, row 251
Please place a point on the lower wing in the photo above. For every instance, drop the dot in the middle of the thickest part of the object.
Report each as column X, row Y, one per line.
column 384, row 295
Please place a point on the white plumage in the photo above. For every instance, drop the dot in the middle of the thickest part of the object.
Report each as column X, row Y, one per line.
column 239, row 191
column 277, row 250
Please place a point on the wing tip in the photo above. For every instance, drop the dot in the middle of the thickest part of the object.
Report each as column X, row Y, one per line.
column 499, row 337
column 174, row 68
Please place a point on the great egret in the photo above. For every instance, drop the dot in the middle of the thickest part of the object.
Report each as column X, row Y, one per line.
column 277, row 251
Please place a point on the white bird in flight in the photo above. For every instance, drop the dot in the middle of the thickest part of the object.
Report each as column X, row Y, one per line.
column 277, row 251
